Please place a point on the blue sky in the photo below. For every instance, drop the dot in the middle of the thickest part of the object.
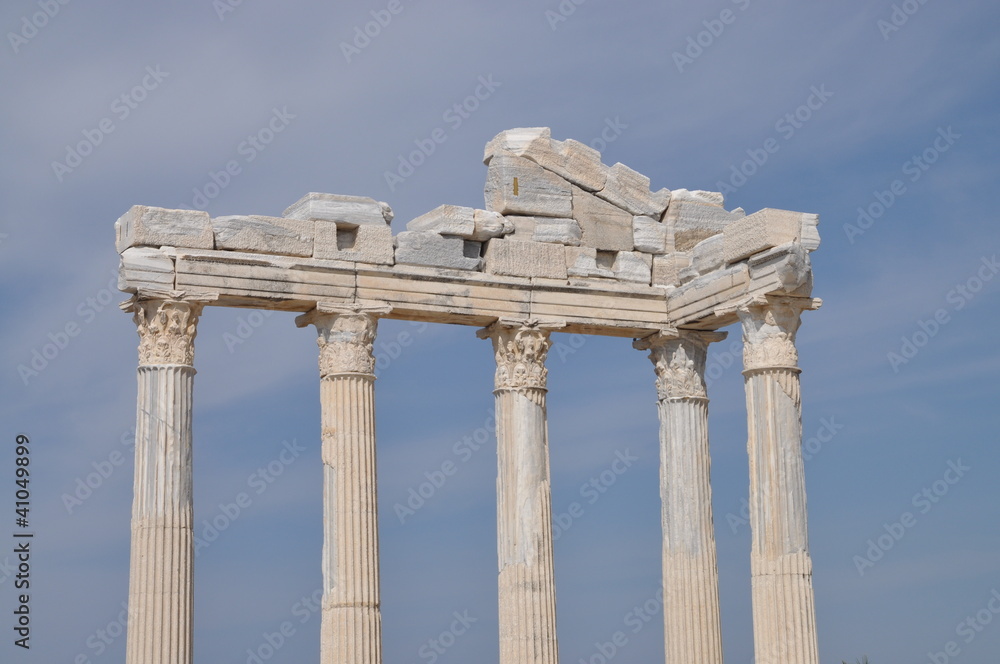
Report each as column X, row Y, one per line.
column 898, row 82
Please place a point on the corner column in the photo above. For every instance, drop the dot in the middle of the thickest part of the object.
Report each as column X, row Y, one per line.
column 784, row 614
column 524, row 499
column 692, row 628
column 351, row 620
column 161, row 570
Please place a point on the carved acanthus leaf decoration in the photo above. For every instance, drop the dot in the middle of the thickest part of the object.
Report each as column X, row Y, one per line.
column 346, row 343
column 167, row 329
column 520, row 355
column 769, row 334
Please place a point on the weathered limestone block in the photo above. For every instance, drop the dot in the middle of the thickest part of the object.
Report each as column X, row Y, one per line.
column 603, row 225
column 515, row 185
column 427, row 248
column 667, row 268
column 466, row 222
column 633, row 266
column 557, row 231
column 146, row 266
column 649, row 235
column 264, row 235
column 809, row 236
column 524, row 227
column 144, row 226
column 702, row 295
column 629, row 190
column 336, row 207
column 446, row 220
column 571, row 160
column 784, row 270
column 761, row 231
column 694, row 216
column 525, row 259
column 707, row 255
column 347, row 242
column 582, row 262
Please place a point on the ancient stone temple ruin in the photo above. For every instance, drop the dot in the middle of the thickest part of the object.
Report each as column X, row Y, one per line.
column 564, row 244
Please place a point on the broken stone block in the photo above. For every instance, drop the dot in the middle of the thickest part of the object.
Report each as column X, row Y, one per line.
column 347, row 242
column 516, row 258
column 446, row 220
column 707, row 255
column 339, row 208
column 691, row 218
column 144, row 226
column 809, row 236
column 582, row 262
column 667, row 268
column 490, row 225
column 428, row 248
column 760, row 231
column 518, row 186
column 649, row 235
column 784, row 270
column 557, row 231
column 145, row 267
column 570, row 160
column 524, row 227
column 629, row 190
column 466, row 222
column 633, row 266
column 603, row 225
column 264, row 235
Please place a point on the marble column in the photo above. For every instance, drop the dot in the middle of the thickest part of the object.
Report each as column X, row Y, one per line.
column 161, row 570
column 351, row 619
column 692, row 630
column 784, row 615
column 524, row 499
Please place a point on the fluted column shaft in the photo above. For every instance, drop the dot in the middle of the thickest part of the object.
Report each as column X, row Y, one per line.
column 692, row 626
column 524, row 499
column 161, row 570
column 351, row 620
column 784, row 614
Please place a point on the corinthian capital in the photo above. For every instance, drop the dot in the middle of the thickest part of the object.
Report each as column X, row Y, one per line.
column 679, row 358
column 167, row 329
column 769, row 327
column 346, row 337
column 520, row 354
